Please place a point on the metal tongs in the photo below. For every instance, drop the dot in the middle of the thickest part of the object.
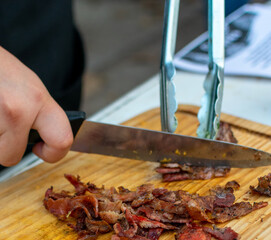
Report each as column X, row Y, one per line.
column 209, row 113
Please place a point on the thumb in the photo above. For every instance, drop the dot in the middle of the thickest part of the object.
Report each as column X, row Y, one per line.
column 55, row 130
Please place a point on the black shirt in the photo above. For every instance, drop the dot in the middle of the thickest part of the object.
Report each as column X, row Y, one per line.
column 41, row 33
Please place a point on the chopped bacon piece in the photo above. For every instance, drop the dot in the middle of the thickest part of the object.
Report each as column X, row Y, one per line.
column 224, row 200
column 125, row 197
column 51, row 194
column 200, row 173
column 161, row 216
column 141, row 200
column 155, row 233
column 157, row 192
column 193, row 233
column 64, row 207
column 224, row 197
column 224, row 214
column 147, row 223
column 169, row 196
column 107, row 205
column 264, row 186
column 128, row 196
column 177, row 207
column 222, row 233
column 97, row 226
column 80, row 187
column 110, row 216
column 126, row 228
column 85, row 235
column 146, row 212
column 225, row 133
column 232, row 184
column 136, row 237
column 196, row 210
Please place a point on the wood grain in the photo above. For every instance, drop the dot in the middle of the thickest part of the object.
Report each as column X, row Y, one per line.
column 22, row 215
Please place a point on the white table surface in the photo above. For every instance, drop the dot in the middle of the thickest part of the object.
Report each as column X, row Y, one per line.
column 248, row 98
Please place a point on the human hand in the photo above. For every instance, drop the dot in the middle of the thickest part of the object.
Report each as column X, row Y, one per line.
column 26, row 104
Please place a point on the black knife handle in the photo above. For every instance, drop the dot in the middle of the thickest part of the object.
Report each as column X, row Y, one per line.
column 76, row 119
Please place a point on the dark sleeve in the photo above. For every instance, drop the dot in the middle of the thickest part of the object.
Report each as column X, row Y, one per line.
column 43, row 36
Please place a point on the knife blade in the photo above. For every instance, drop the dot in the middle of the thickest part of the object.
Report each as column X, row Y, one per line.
column 155, row 146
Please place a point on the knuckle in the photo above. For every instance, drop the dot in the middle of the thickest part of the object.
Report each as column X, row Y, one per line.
column 10, row 109
column 38, row 95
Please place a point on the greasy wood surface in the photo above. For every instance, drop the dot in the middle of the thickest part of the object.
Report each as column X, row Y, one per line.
column 22, row 215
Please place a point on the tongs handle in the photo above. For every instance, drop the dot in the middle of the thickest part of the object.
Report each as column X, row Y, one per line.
column 209, row 114
column 167, row 88
column 217, row 33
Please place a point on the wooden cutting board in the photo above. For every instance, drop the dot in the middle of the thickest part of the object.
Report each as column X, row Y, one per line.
column 22, row 215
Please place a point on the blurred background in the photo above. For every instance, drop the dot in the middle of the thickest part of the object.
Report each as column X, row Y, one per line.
column 122, row 40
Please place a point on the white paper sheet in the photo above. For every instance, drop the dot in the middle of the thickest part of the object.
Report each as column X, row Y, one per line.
column 247, row 45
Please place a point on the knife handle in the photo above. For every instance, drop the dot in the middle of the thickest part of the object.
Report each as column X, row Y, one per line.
column 76, row 119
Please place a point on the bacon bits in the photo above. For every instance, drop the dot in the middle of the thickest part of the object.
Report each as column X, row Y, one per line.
column 264, row 186
column 146, row 212
column 184, row 172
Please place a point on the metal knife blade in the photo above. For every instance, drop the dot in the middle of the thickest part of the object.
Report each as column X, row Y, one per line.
column 155, row 146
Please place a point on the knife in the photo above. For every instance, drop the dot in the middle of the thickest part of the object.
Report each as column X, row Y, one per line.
column 155, row 146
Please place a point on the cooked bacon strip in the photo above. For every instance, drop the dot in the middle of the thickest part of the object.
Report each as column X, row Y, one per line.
column 127, row 229
column 146, row 212
column 196, row 210
column 147, row 223
column 224, row 197
column 193, row 233
column 128, row 196
column 110, row 217
column 237, row 210
column 141, row 200
column 80, row 224
column 264, row 186
column 157, row 192
column 162, row 216
column 224, row 200
column 160, row 205
column 80, row 187
column 136, row 237
column 125, row 197
column 64, row 207
column 222, row 233
column 51, row 194
column 225, row 133
column 232, row 184
column 97, row 226
column 169, row 196
column 107, row 205
column 199, row 173
column 85, row 235
column 155, row 233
